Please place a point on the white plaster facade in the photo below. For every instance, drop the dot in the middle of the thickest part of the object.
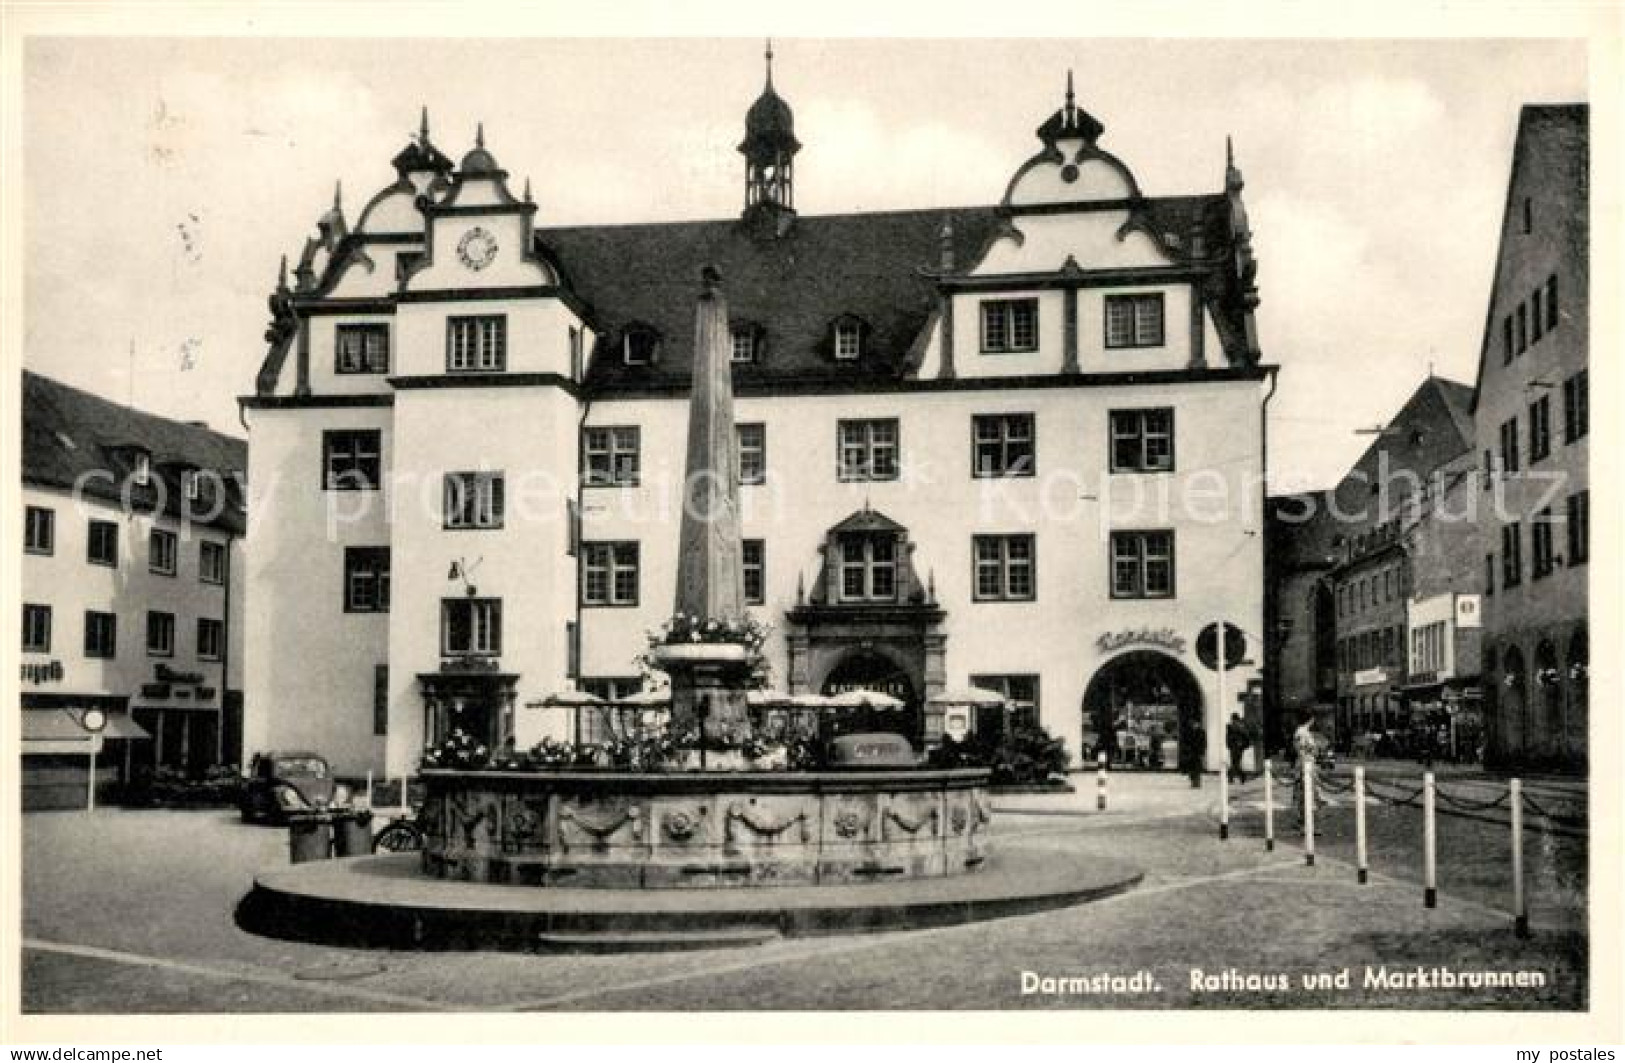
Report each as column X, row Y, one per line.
column 313, row 671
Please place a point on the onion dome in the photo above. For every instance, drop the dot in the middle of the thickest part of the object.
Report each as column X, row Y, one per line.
column 480, row 162
column 770, row 125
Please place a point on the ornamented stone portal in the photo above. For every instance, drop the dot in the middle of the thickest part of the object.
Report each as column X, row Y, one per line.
column 1140, row 706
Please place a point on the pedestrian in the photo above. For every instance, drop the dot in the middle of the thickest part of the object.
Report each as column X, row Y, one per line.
column 1306, row 746
column 1238, row 738
column 1193, row 752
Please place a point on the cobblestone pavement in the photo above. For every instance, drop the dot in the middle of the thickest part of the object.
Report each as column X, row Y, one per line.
column 128, row 911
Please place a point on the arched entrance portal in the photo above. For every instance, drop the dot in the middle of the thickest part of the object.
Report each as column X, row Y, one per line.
column 869, row 670
column 1140, row 706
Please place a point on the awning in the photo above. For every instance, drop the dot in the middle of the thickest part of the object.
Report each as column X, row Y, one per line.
column 62, row 725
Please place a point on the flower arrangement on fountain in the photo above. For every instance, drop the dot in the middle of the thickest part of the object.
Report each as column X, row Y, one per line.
column 459, row 750
column 685, row 629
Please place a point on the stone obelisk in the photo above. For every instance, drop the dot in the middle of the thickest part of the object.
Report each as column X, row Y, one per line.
column 710, row 570
column 708, row 680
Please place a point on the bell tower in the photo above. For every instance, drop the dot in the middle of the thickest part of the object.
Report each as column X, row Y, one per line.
column 769, row 148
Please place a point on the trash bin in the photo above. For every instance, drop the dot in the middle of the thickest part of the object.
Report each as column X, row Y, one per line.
column 352, row 833
column 310, row 837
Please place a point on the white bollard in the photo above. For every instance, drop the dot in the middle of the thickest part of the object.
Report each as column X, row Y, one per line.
column 369, row 787
column 1360, row 866
column 1100, row 782
column 1224, row 802
column 1430, row 891
column 1520, row 903
column 1269, row 808
column 1308, row 770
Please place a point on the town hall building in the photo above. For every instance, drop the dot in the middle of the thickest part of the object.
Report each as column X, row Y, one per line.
column 1018, row 446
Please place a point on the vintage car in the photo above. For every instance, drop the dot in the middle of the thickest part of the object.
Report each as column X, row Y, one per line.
column 285, row 783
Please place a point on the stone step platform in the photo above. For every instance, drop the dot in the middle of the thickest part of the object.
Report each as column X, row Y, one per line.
column 385, row 901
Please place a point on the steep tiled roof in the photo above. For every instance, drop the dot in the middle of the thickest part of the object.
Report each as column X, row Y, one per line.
column 794, row 286
column 875, row 266
column 69, row 434
column 1458, row 400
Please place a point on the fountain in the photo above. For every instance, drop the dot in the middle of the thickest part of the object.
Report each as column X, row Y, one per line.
column 714, row 854
column 723, row 825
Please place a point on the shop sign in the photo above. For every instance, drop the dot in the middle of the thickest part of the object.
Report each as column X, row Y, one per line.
column 1370, row 677
column 155, row 691
column 1162, row 637
column 205, row 693
column 42, row 672
column 897, row 688
column 165, row 674
column 1468, row 612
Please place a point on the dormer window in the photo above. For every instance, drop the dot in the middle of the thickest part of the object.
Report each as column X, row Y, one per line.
column 848, row 339
column 744, row 343
column 639, row 345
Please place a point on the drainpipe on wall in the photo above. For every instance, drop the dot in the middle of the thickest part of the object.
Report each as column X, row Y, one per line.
column 575, row 651
column 225, row 662
column 1266, row 699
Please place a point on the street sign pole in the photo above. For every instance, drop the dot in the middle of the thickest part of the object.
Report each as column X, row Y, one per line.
column 93, row 721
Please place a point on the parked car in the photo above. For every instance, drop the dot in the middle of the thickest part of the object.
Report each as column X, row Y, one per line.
column 285, row 782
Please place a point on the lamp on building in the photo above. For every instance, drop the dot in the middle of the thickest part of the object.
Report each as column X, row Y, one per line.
column 461, row 570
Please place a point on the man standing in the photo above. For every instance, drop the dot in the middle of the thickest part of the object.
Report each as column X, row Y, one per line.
column 1238, row 738
column 1193, row 751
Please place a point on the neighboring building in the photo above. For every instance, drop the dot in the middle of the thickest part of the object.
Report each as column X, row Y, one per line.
column 131, row 589
column 1301, row 547
column 1533, row 422
column 1349, row 567
column 1378, row 509
column 1444, row 615
column 1017, row 445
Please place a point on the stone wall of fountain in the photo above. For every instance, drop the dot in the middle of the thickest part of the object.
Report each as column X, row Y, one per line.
column 704, row 829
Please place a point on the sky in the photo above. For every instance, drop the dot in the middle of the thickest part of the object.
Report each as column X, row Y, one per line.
column 165, row 177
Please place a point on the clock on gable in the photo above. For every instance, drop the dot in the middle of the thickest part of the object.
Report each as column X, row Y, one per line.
column 477, row 248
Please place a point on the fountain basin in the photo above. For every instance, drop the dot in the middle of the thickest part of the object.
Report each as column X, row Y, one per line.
column 704, row 829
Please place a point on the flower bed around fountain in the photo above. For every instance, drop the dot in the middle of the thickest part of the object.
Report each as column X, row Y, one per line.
column 602, row 829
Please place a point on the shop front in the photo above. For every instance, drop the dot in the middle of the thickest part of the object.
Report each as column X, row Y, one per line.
column 1141, row 709
column 60, row 749
column 1444, row 717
